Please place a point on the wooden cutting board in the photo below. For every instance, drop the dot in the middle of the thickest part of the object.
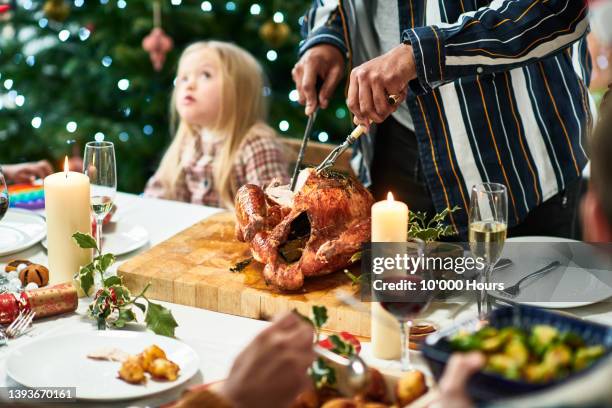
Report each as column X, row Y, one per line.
column 192, row 268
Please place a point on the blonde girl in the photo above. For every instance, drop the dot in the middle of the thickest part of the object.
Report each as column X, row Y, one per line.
column 221, row 140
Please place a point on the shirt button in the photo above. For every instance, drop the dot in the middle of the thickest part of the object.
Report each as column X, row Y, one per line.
column 479, row 70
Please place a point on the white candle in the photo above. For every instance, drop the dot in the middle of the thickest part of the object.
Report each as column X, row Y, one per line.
column 389, row 224
column 67, row 211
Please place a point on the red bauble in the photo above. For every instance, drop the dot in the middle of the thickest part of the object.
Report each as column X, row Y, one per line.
column 157, row 44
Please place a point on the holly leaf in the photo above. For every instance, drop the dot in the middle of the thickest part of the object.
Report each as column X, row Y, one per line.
column 105, row 261
column 85, row 241
column 319, row 316
column 322, row 374
column 112, row 280
column 125, row 315
column 160, row 320
column 340, row 346
column 86, row 277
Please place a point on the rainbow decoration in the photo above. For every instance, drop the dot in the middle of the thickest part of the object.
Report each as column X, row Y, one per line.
column 26, row 196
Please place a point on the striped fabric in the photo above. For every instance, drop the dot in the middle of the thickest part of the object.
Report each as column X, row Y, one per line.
column 501, row 93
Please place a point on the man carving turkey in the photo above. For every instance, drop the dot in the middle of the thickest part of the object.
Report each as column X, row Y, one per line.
column 495, row 91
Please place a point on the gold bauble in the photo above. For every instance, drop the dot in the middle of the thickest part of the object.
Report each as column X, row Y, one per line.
column 57, row 10
column 275, row 34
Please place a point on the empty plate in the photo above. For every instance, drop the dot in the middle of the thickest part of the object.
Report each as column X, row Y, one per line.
column 583, row 278
column 19, row 230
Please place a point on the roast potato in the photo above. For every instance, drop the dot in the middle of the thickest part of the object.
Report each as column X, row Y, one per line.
column 410, row 387
column 163, row 369
column 340, row 403
column 150, row 354
column 131, row 371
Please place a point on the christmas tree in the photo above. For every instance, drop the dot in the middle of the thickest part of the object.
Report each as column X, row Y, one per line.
column 72, row 71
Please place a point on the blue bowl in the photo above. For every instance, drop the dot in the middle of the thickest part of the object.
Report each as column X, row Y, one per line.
column 487, row 386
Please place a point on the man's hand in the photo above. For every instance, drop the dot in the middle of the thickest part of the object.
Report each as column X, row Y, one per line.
column 271, row 371
column 372, row 82
column 27, row 172
column 453, row 384
column 321, row 61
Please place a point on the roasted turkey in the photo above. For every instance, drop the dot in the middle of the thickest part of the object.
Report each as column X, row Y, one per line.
column 312, row 232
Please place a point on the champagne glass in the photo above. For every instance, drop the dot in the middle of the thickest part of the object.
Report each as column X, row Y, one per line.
column 4, row 197
column 406, row 305
column 487, row 231
column 100, row 166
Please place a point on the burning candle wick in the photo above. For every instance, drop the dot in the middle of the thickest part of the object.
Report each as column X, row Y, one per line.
column 66, row 167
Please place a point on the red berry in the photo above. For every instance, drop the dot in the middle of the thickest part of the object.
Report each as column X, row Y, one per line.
column 346, row 337
column 350, row 338
column 113, row 295
column 326, row 344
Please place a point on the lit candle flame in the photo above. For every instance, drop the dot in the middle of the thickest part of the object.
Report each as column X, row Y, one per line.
column 390, row 196
column 66, row 166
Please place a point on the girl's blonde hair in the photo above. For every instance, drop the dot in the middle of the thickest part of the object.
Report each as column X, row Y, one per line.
column 242, row 113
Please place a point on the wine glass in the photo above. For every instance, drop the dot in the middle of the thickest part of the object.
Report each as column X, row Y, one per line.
column 487, row 231
column 4, row 197
column 100, row 166
column 406, row 305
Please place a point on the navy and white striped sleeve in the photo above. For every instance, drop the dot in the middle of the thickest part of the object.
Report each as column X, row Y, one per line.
column 322, row 24
column 499, row 37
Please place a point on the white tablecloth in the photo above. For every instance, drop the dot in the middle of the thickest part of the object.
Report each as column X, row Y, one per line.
column 216, row 337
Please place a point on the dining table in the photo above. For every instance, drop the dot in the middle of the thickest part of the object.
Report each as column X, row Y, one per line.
column 216, row 337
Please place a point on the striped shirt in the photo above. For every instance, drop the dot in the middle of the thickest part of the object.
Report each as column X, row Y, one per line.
column 500, row 95
column 260, row 160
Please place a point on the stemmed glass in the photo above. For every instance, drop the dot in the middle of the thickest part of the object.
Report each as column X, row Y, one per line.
column 4, row 197
column 488, row 223
column 100, row 166
column 406, row 305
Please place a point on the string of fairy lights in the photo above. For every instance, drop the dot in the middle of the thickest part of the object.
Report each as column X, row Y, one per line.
column 12, row 99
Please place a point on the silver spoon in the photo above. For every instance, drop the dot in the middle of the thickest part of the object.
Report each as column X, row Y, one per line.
column 355, row 368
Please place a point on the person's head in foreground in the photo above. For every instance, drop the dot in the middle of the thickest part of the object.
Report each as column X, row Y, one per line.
column 218, row 92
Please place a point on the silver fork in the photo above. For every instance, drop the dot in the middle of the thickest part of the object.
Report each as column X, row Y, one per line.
column 514, row 290
column 18, row 327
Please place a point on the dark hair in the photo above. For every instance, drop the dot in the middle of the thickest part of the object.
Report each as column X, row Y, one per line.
column 601, row 156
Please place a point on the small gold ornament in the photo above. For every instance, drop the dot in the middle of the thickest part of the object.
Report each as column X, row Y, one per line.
column 57, row 10
column 275, row 34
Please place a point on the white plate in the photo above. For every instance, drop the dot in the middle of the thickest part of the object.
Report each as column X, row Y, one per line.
column 19, row 230
column 570, row 284
column 61, row 361
column 121, row 238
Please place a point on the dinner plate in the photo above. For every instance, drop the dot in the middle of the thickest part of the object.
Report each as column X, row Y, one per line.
column 61, row 361
column 19, row 230
column 121, row 238
column 567, row 286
